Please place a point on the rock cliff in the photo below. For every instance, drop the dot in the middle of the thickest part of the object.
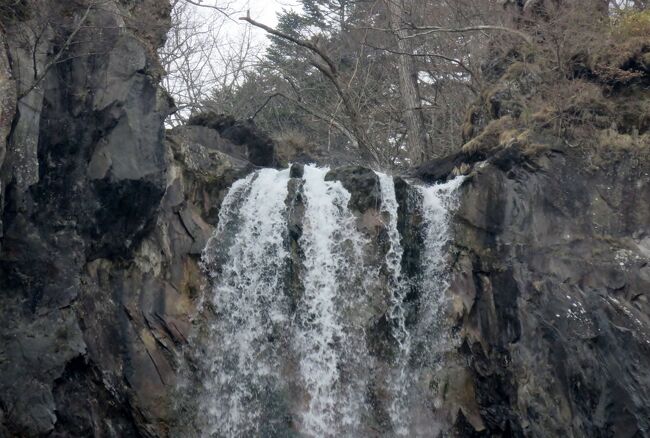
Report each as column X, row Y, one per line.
column 103, row 218
column 550, row 290
column 551, row 257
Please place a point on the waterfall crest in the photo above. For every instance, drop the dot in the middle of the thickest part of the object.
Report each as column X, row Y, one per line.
column 321, row 331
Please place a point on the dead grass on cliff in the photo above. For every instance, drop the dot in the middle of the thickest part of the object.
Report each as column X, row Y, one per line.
column 631, row 24
column 609, row 147
column 490, row 138
column 14, row 10
column 585, row 82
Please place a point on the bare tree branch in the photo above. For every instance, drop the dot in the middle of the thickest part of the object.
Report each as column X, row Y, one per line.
column 216, row 8
column 428, row 30
column 329, row 70
column 302, row 43
column 457, row 62
column 324, row 117
column 58, row 55
column 434, row 29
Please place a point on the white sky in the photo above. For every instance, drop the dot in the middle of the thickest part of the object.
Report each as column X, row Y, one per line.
column 264, row 11
column 231, row 34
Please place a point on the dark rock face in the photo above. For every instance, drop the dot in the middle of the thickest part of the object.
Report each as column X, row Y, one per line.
column 362, row 183
column 82, row 178
column 440, row 169
column 83, row 175
column 551, row 287
column 103, row 220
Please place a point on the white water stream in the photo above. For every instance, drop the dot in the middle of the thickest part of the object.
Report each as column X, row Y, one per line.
column 288, row 359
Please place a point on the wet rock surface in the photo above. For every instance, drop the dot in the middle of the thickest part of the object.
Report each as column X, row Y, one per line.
column 361, row 182
column 550, row 288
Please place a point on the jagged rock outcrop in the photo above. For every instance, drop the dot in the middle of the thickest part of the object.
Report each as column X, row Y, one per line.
column 551, row 288
column 254, row 145
column 103, row 221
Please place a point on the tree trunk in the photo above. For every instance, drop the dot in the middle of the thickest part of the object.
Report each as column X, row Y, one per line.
column 416, row 138
column 7, row 100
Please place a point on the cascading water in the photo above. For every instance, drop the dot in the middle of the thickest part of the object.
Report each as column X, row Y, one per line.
column 287, row 347
column 249, row 306
column 324, row 337
column 398, row 410
column 407, row 387
column 437, row 201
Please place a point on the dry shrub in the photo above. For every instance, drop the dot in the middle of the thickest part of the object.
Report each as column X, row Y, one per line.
column 585, row 105
column 631, row 24
column 611, row 139
column 291, row 144
column 491, row 137
column 622, row 55
column 566, row 105
column 609, row 146
column 621, row 63
column 585, row 82
column 567, row 30
column 573, row 40
column 633, row 113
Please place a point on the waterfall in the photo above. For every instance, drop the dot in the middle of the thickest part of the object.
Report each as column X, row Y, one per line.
column 398, row 409
column 248, row 272
column 437, row 203
column 394, row 254
column 332, row 250
column 284, row 348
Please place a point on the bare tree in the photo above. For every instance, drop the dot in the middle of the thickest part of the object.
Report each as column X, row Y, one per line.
column 324, row 63
column 201, row 55
column 417, row 138
column 7, row 98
